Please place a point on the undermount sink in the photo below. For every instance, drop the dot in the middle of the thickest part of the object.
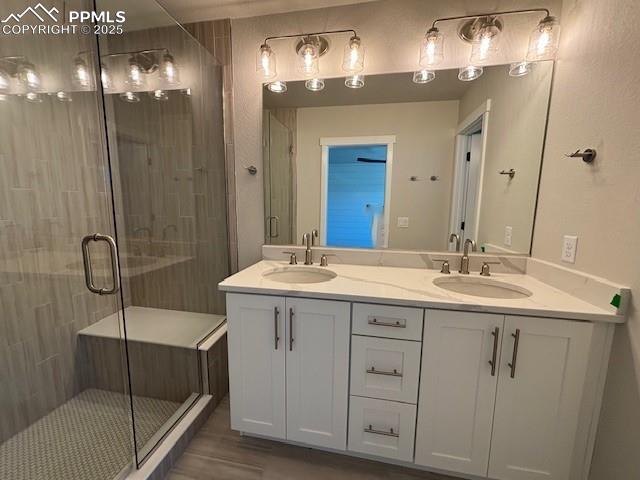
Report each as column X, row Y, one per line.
column 482, row 287
column 299, row 275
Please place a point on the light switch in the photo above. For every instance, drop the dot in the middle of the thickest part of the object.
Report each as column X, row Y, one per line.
column 508, row 235
column 569, row 246
column 403, row 222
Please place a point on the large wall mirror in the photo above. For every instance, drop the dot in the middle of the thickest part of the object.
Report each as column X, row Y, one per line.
column 401, row 165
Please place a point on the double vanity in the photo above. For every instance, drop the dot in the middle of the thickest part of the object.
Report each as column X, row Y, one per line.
column 497, row 376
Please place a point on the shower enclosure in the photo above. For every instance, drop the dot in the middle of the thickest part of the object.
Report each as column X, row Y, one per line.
column 113, row 237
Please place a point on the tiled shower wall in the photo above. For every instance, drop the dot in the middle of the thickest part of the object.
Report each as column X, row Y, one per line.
column 52, row 193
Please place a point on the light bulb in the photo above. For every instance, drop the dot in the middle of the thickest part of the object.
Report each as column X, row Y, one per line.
column 81, row 74
column 105, row 78
column 160, row 95
column 63, row 97
column 314, row 84
column 485, row 43
column 354, row 81
column 432, row 48
column 169, row 71
column 520, row 69
column 469, row 73
column 423, row 76
column 130, row 97
column 33, row 97
column 277, row 87
column 135, row 74
column 544, row 40
column 308, row 56
column 266, row 62
column 28, row 76
column 5, row 81
column 353, row 58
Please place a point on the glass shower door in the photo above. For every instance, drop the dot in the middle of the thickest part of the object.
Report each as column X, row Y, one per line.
column 65, row 410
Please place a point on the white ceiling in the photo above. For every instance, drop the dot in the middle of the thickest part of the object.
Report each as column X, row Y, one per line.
column 198, row 10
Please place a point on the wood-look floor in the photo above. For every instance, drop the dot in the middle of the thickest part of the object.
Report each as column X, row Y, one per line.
column 219, row 453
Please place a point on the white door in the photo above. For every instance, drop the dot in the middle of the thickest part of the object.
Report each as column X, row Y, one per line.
column 472, row 185
column 542, row 375
column 457, row 390
column 257, row 363
column 317, row 345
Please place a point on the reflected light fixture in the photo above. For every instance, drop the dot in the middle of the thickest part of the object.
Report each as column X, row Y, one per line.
column 432, row 48
column 28, row 76
column 130, row 97
column 5, row 81
column 354, row 81
column 308, row 59
column 63, row 96
column 135, row 74
column 423, row 76
column 520, row 69
column 168, row 70
column 277, row 87
column 266, row 63
column 105, row 77
column 314, row 84
column 544, row 40
column 469, row 73
column 81, row 74
column 33, row 97
column 353, row 58
column 186, row 92
column 160, row 95
column 485, row 41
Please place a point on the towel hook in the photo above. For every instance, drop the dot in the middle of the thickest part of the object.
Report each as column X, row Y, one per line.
column 587, row 156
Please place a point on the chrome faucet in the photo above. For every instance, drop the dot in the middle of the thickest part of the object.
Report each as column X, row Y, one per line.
column 455, row 237
column 308, row 253
column 464, row 261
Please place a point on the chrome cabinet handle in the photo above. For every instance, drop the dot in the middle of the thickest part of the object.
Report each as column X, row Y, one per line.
column 373, row 371
column 86, row 261
column 291, row 329
column 514, row 358
column 396, row 324
column 386, row 433
column 494, row 356
column 276, row 314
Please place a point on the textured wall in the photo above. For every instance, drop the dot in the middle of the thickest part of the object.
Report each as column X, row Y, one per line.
column 595, row 103
column 391, row 30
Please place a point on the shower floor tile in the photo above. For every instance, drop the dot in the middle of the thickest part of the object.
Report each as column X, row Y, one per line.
column 87, row 438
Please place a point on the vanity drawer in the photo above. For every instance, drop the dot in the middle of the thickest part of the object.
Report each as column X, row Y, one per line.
column 382, row 428
column 386, row 321
column 385, row 368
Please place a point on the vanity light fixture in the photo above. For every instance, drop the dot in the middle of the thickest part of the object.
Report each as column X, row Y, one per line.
column 308, row 58
column 482, row 32
column 544, row 40
column 520, row 69
column 130, row 97
column 169, row 72
column 423, row 76
column 81, row 73
column 105, row 78
column 33, row 97
column 353, row 58
column 28, row 76
column 160, row 95
column 63, row 97
column 277, row 87
column 314, row 84
column 135, row 76
column 354, row 81
column 469, row 73
column 5, row 81
column 266, row 62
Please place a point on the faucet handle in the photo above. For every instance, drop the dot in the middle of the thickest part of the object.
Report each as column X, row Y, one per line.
column 292, row 258
column 445, row 265
column 485, row 270
column 324, row 261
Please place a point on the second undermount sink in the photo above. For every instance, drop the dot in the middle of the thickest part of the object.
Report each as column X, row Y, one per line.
column 299, row 275
column 482, row 287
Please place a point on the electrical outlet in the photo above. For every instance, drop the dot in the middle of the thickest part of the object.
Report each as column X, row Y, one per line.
column 508, row 235
column 569, row 246
column 403, row 222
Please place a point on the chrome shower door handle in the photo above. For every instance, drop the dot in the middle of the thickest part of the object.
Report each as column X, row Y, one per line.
column 86, row 261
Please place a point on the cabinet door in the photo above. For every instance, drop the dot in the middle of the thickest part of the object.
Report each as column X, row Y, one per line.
column 317, row 345
column 542, row 375
column 257, row 363
column 457, row 390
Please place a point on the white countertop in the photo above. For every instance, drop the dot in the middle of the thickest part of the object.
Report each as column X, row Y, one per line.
column 414, row 287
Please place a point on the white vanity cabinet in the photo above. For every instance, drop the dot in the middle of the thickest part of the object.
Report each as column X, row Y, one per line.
column 289, row 368
column 500, row 396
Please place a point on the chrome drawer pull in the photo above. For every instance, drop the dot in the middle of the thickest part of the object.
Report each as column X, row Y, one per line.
column 373, row 371
column 390, row 433
column 396, row 324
